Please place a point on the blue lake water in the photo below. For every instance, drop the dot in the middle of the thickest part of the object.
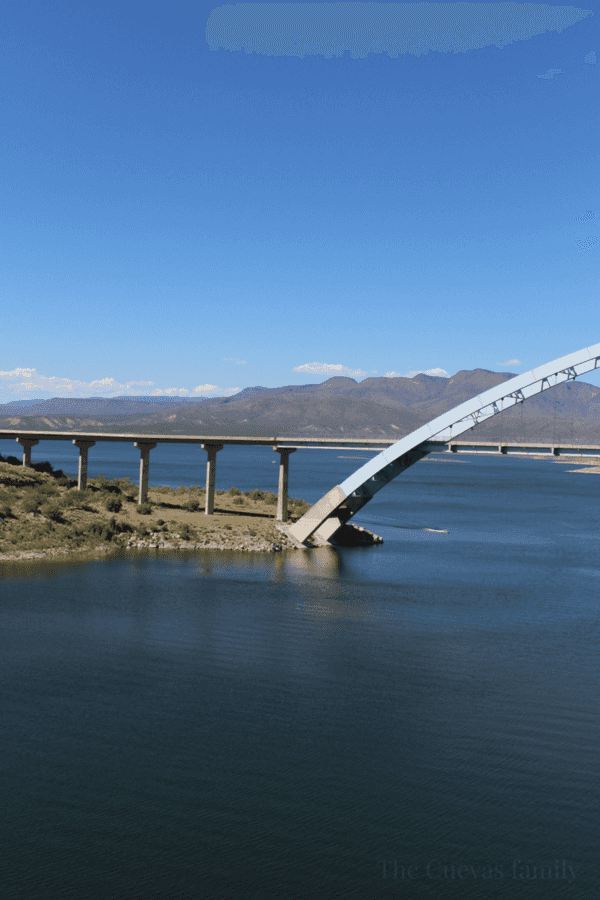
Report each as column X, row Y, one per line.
column 418, row 719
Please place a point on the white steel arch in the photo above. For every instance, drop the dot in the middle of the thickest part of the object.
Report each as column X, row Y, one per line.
column 345, row 499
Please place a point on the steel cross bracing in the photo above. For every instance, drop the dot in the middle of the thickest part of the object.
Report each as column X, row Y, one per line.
column 344, row 500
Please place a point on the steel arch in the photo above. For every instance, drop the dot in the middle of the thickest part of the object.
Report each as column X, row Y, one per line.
column 344, row 500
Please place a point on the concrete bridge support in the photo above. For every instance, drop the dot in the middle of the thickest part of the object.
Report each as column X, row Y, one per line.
column 145, row 447
column 282, row 493
column 84, row 446
column 26, row 444
column 211, row 465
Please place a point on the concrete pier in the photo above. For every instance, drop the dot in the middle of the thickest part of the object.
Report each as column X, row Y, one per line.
column 145, row 447
column 84, row 446
column 211, row 465
column 282, row 493
column 27, row 444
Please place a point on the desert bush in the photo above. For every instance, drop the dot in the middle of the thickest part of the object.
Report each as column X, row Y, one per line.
column 51, row 511
column 234, row 491
column 45, row 490
column 144, row 509
column 113, row 504
column 72, row 500
column 105, row 485
column 186, row 533
column 43, row 467
column 121, row 526
column 160, row 522
column 270, row 499
column 256, row 495
column 191, row 505
column 124, row 484
column 32, row 502
column 238, row 501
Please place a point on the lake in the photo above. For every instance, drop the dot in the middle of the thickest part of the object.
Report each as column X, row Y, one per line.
column 418, row 719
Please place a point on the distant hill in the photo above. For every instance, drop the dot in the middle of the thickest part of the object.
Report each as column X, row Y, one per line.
column 85, row 406
column 340, row 406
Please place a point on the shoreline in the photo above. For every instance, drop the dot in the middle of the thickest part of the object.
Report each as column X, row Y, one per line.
column 361, row 537
column 44, row 516
column 91, row 553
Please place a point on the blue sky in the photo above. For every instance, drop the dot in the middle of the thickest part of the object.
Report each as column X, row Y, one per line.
column 183, row 217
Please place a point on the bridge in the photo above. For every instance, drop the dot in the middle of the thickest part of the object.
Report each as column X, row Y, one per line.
column 343, row 501
column 335, row 509
column 284, row 446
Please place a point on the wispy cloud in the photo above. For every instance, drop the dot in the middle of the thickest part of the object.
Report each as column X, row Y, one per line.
column 587, row 243
column 25, row 383
column 510, row 362
column 441, row 373
column 550, row 73
column 589, row 215
column 238, row 362
column 317, row 368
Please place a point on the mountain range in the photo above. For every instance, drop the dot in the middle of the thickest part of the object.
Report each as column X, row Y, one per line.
column 340, row 406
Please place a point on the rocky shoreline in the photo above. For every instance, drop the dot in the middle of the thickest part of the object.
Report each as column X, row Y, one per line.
column 351, row 535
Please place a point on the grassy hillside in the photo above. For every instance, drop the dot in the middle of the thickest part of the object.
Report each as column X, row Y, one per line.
column 41, row 509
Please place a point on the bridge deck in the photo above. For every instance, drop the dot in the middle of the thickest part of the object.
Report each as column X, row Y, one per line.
column 376, row 445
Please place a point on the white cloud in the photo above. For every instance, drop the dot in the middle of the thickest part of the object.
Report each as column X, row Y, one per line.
column 510, row 362
column 441, row 373
column 28, row 383
column 15, row 373
column 168, row 392
column 238, row 362
column 215, row 391
column 317, row 368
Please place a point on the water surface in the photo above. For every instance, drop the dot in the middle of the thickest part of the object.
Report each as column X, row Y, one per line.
column 280, row 725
